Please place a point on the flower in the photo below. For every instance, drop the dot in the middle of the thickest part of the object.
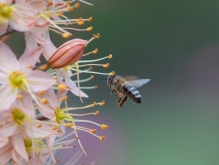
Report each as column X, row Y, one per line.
column 21, row 17
column 20, row 78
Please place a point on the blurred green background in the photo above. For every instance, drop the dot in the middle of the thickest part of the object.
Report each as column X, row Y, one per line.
column 174, row 43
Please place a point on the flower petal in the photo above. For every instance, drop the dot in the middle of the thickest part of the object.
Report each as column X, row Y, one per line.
column 9, row 129
column 35, row 132
column 3, row 140
column 7, row 59
column 30, row 57
column 5, row 152
column 38, row 80
column 7, row 95
column 18, row 144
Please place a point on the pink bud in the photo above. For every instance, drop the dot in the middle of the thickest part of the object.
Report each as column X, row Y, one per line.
column 68, row 53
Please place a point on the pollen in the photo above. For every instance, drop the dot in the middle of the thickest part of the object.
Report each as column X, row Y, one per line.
column 106, row 65
column 62, row 87
column 104, row 126
column 77, row 5
column 44, row 101
column 43, row 67
column 90, row 19
column 64, row 98
column 96, row 113
column 93, row 130
column 101, row 137
column 94, row 104
column 102, row 103
column 39, row 125
column 68, row 124
column 66, row 35
column 41, row 92
column 110, row 56
column 89, row 29
column 19, row 96
column 95, row 51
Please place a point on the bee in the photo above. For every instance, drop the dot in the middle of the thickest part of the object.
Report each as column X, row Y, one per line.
column 127, row 87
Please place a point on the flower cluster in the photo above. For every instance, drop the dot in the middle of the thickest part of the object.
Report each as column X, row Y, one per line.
column 32, row 122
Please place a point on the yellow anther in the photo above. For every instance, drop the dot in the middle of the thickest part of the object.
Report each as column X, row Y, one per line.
column 95, row 51
column 30, row 66
column 70, row 9
column 89, row 19
column 66, row 35
column 112, row 73
column 64, row 98
column 54, row 128
column 102, row 103
column 68, row 2
column 41, row 92
column 96, row 35
column 96, row 113
column 43, row 67
column 96, row 86
column 68, row 124
column 77, row 5
column 106, row 65
column 49, row 3
column 104, row 126
column 19, row 96
column 39, row 125
column 110, row 56
column 93, row 130
column 89, row 29
column 44, row 101
column 81, row 22
column 94, row 104
column 59, row 14
column 62, row 87
column 101, row 137
column 92, row 76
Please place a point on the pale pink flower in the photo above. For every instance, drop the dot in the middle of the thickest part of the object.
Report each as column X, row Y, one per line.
column 17, row 76
column 21, row 17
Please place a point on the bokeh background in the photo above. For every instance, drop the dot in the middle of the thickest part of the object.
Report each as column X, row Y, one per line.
column 175, row 43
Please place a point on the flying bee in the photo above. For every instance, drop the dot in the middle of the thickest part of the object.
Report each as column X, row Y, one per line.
column 126, row 87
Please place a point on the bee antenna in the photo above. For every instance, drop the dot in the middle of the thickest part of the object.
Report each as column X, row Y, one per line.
column 101, row 79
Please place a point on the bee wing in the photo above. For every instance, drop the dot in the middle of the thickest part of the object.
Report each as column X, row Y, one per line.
column 138, row 83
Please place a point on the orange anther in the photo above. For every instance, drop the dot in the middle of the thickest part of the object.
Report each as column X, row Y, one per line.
column 68, row 124
column 19, row 96
column 41, row 92
column 96, row 113
column 43, row 67
column 77, row 5
column 110, row 56
column 94, row 104
column 120, row 95
column 89, row 29
column 102, row 103
column 102, row 137
column 106, row 65
column 44, row 101
column 64, row 98
column 39, row 125
column 66, row 35
column 95, row 51
column 93, row 130
column 89, row 19
column 104, row 126
column 62, row 87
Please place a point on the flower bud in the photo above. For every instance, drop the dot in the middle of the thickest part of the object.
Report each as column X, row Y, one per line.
column 68, row 53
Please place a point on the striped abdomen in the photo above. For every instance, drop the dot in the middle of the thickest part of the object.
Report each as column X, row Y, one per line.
column 132, row 93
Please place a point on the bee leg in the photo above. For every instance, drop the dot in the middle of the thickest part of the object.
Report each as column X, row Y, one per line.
column 112, row 91
column 122, row 102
